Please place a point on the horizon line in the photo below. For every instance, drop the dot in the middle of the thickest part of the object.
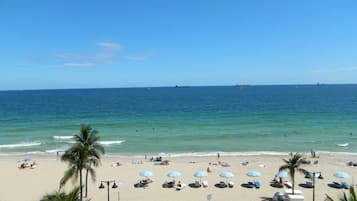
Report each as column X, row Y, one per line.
column 180, row 86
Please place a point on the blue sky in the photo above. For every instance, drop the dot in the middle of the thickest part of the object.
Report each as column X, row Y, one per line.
column 84, row 44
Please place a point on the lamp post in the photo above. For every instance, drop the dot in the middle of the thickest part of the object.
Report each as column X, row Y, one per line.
column 313, row 186
column 101, row 186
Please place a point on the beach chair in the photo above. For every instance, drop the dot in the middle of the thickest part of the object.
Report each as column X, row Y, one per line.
column 309, row 184
column 345, row 185
column 250, row 184
column 180, row 186
column 257, row 184
column 230, row 184
column 335, row 184
column 288, row 184
column 221, row 184
column 196, row 184
column 170, row 184
column 276, row 184
column 205, row 183
column 140, row 185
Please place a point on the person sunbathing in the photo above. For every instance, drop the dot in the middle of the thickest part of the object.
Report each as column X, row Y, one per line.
column 33, row 164
column 22, row 166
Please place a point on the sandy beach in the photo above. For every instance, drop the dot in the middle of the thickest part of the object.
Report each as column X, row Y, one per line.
column 31, row 184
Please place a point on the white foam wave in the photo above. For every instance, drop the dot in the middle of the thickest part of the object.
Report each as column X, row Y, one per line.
column 54, row 150
column 108, row 143
column 64, row 137
column 35, row 152
column 342, row 145
column 24, row 144
column 205, row 154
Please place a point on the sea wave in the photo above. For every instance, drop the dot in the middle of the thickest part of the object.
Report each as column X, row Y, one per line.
column 108, row 143
column 203, row 154
column 63, row 137
column 228, row 154
column 343, row 144
column 55, row 150
column 19, row 145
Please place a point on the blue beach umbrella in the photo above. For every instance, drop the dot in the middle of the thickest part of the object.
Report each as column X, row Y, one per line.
column 145, row 173
column 174, row 174
column 341, row 175
column 282, row 174
column 26, row 159
column 226, row 175
column 253, row 174
column 200, row 174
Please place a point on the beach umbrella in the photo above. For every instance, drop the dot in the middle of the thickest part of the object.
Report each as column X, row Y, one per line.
column 26, row 159
column 145, row 173
column 174, row 174
column 253, row 174
column 226, row 175
column 341, row 175
column 200, row 174
column 282, row 174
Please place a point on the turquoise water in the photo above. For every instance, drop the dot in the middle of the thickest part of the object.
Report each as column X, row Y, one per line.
column 189, row 120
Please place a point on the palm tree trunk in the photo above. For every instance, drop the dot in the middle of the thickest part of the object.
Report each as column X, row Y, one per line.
column 80, row 183
column 86, row 182
column 293, row 185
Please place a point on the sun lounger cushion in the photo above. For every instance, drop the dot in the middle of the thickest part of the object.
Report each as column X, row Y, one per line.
column 257, row 184
column 288, row 184
column 180, row 186
column 345, row 185
column 231, row 184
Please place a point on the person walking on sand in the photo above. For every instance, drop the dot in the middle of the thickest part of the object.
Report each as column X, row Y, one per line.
column 218, row 155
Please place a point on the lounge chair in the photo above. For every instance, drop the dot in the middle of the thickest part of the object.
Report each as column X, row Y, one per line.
column 276, row 184
column 221, row 184
column 205, row 183
column 170, row 184
column 180, row 186
column 335, row 185
column 257, row 184
column 288, row 184
column 196, row 184
column 230, row 184
column 248, row 185
column 345, row 185
column 140, row 185
column 308, row 184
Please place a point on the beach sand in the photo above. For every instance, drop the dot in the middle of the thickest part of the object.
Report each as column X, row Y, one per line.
column 31, row 184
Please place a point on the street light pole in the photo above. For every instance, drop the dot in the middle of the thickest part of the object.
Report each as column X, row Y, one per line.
column 108, row 182
column 313, row 186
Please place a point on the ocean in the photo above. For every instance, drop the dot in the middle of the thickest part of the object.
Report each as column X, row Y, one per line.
column 184, row 120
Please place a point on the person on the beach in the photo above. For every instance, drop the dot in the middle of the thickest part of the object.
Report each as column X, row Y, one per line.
column 33, row 164
column 218, row 155
column 208, row 170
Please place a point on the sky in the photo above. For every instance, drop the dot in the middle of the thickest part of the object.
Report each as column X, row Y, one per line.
column 105, row 44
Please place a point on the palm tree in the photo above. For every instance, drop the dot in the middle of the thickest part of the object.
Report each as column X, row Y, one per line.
column 351, row 197
column 77, row 159
column 90, row 141
column 62, row 196
column 293, row 165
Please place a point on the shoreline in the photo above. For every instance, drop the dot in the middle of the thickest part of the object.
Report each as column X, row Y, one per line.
column 186, row 154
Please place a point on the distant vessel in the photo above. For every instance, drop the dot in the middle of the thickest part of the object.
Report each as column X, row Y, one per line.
column 343, row 145
column 178, row 86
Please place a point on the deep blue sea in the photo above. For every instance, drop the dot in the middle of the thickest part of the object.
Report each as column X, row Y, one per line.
column 184, row 120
